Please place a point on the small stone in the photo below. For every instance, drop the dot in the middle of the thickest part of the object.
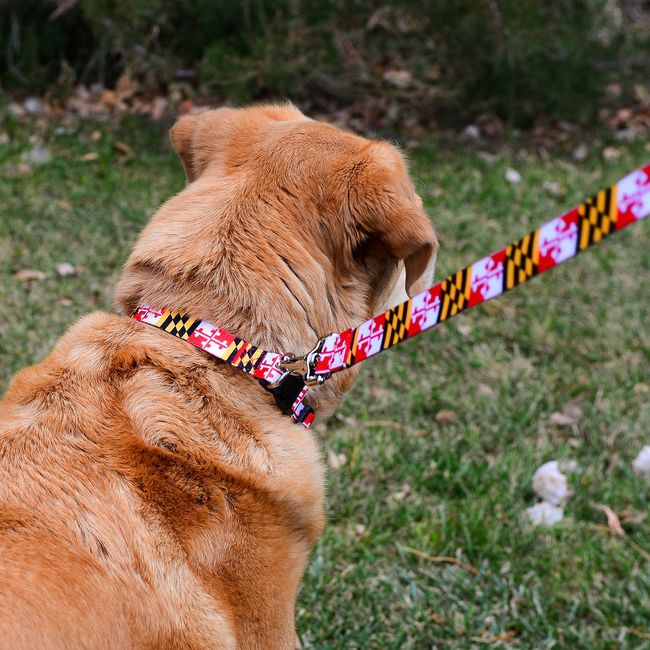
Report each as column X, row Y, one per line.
column 551, row 484
column 472, row 131
column 37, row 155
column 580, row 153
column 612, row 153
column 641, row 464
column 33, row 105
column 513, row 176
column 65, row 269
column 553, row 189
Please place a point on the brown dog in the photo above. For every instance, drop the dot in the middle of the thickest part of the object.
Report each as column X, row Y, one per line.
column 152, row 496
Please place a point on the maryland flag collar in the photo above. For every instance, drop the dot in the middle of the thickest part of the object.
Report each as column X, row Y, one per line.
column 288, row 390
column 558, row 240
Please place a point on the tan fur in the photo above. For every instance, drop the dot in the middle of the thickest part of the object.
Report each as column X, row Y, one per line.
column 150, row 495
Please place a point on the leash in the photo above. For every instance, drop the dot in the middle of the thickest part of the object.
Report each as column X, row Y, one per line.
column 288, row 377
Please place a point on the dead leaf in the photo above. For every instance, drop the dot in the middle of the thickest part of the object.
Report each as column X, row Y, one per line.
column 398, row 78
column 630, row 517
column 612, row 153
column 613, row 522
column 96, row 136
column 446, row 559
column 569, row 416
column 402, row 493
column 443, row 416
column 89, row 157
column 561, row 420
column 29, row 275
column 15, row 171
column 126, row 87
column 158, row 108
column 553, row 189
column 123, row 148
column 336, row 460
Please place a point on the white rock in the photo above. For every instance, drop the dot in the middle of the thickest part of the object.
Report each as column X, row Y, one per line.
column 65, row 269
column 33, row 105
column 38, row 154
column 544, row 514
column 641, row 464
column 551, row 484
column 513, row 176
column 472, row 131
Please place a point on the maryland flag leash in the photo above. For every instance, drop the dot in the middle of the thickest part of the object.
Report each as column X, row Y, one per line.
column 555, row 242
column 289, row 378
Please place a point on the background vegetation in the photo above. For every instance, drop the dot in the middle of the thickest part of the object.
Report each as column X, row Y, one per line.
column 518, row 59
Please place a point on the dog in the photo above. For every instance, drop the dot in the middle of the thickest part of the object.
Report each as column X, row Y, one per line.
column 152, row 496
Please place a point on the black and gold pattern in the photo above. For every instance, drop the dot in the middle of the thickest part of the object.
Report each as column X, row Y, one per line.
column 249, row 358
column 597, row 217
column 179, row 324
column 522, row 260
column 396, row 324
column 454, row 293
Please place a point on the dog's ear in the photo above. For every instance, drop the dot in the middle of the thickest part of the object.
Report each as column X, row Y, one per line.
column 388, row 216
column 182, row 139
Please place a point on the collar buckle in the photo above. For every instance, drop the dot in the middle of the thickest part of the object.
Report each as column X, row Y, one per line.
column 305, row 366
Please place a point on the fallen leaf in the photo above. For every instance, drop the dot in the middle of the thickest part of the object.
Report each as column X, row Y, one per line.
column 15, row 171
column 126, row 86
column 336, row 460
column 123, row 147
column 96, row 136
column 631, row 517
column 612, row 153
column 553, row 189
column 29, row 275
column 158, row 108
column 402, row 493
column 613, row 522
column 90, row 156
column 562, row 419
column 445, row 559
column 398, row 78
column 443, row 416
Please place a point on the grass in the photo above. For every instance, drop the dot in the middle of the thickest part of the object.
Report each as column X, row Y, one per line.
column 417, row 482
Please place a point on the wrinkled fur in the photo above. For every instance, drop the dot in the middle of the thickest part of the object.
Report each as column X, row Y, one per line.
column 150, row 495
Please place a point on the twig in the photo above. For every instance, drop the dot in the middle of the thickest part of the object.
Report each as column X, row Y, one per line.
column 446, row 559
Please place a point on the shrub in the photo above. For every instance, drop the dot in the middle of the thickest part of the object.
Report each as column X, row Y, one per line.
column 518, row 58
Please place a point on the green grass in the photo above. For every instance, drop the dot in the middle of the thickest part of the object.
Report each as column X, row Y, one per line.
column 578, row 334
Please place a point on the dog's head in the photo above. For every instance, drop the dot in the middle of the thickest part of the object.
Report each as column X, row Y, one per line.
column 288, row 229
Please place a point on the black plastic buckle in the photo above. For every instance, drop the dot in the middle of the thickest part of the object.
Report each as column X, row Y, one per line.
column 286, row 391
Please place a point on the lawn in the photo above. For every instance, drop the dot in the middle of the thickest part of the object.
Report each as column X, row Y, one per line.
column 436, row 445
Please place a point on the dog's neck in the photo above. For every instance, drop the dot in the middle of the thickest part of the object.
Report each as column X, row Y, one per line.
column 269, row 288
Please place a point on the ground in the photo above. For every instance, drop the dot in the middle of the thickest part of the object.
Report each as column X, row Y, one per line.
column 436, row 445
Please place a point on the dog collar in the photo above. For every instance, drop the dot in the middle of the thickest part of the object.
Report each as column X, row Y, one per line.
column 285, row 384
